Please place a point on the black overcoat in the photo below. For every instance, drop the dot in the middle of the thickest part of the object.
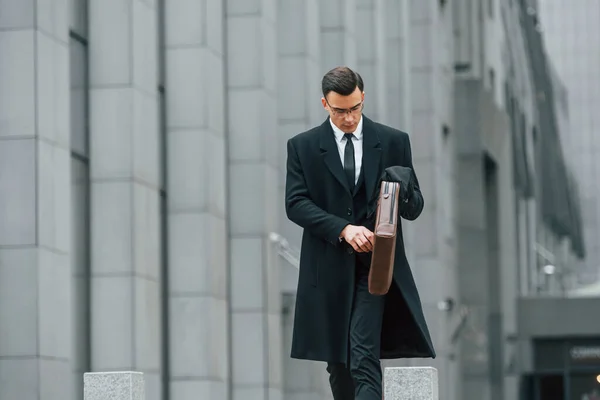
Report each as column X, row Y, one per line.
column 318, row 199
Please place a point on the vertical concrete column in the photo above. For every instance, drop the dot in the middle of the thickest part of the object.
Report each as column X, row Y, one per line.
column 339, row 28
column 124, row 170
column 196, row 187
column 426, row 145
column 397, row 48
column 35, row 201
column 298, row 96
column 299, row 100
column 253, row 162
column 431, row 68
column 371, row 56
column 509, row 273
column 396, row 109
column 473, row 260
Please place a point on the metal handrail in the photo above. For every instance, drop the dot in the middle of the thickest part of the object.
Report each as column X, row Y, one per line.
column 289, row 253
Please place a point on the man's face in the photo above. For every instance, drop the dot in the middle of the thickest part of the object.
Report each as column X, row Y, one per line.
column 345, row 111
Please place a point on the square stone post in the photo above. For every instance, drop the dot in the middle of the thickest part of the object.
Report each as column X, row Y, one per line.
column 411, row 383
column 123, row 385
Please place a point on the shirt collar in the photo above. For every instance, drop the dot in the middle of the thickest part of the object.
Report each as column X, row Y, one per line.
column 339, row 134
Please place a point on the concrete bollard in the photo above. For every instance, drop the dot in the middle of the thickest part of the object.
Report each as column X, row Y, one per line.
column 411, row 383
column 126, row 385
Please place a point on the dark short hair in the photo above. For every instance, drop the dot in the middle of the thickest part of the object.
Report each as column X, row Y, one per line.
column 341, row 80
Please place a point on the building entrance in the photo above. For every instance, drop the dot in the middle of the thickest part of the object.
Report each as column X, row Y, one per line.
column 565, row 369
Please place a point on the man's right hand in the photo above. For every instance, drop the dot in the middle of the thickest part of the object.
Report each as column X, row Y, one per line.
column 360, row 238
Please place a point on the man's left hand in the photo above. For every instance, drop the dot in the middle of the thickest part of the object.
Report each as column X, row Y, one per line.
column 401, row 175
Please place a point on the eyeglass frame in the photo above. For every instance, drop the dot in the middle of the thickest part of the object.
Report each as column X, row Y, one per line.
column 340, row 111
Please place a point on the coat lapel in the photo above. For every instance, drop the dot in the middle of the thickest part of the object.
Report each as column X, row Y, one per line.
column 371, row 157
column 331, row 156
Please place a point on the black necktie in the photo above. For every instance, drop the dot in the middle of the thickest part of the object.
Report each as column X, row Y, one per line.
column 349, row 167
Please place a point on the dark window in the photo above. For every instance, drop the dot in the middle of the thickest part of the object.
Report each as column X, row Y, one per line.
column 549, row 355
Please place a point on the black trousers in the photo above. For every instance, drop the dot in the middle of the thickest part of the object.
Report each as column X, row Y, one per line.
column 361, row 379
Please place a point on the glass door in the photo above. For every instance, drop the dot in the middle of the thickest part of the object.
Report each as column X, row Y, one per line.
column 551, row 387
column 584, row 386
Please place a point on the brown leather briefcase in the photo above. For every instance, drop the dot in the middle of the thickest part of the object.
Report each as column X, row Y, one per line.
column 384, row 248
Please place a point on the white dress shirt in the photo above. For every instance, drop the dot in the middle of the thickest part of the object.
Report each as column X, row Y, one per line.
column 357, row 140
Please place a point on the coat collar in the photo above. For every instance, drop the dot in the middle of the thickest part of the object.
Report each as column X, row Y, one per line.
column 371, row 154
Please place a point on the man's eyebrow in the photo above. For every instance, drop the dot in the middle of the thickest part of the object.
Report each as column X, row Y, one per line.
column 354, row 106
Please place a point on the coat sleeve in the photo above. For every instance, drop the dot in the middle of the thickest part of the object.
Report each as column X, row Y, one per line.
column 300, row 208
column 411, row 201
column 413, row 206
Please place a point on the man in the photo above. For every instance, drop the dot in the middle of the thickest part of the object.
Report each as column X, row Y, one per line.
column 333, row 176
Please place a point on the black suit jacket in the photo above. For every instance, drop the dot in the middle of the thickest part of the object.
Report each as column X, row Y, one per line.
column 318, row 199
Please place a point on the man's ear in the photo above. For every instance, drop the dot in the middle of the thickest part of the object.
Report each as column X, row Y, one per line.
column 324, row 102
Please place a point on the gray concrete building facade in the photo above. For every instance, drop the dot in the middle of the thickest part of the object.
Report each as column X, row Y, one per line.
column 142, row 173
column 572, row 36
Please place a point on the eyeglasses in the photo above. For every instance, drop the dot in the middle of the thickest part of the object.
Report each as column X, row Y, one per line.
column 339, row 112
